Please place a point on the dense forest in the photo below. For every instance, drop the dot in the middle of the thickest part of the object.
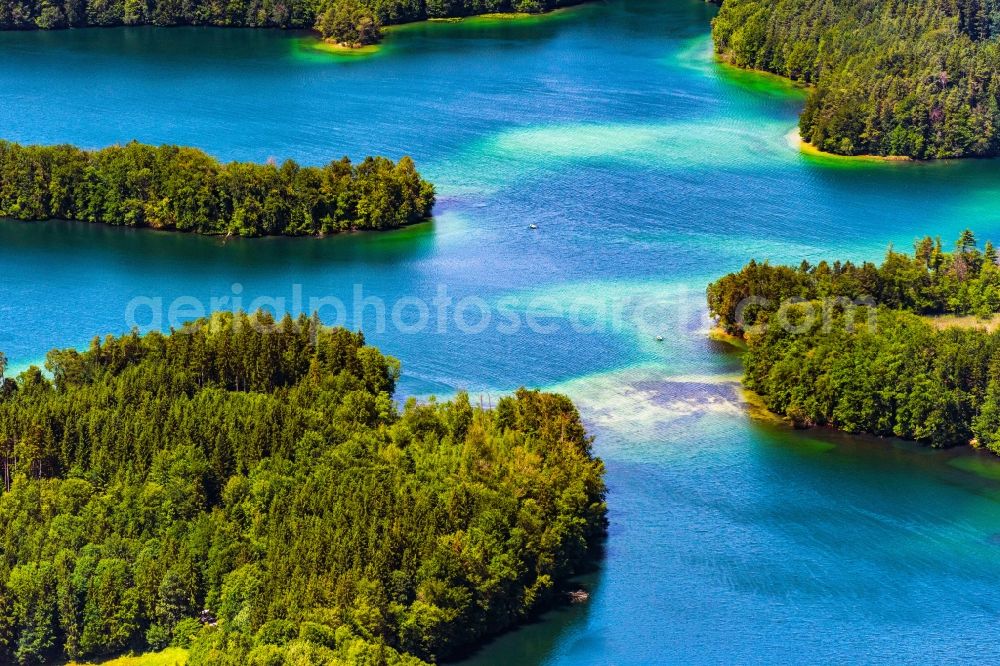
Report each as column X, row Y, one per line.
column 879, row 367
column 899, row 376
column 930, row 281
column 340, row 20
column 915, row 78
column 171, row 187
column 248, row 489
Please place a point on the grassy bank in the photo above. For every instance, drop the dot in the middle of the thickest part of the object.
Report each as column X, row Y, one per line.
column 168, row 657
column 796, row 141
column 944, row 322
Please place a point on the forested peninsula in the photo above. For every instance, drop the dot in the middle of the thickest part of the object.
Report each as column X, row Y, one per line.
column 864, row 348
column 349, row 22
column 919, row 78
column 247, row 489
column 184, row 189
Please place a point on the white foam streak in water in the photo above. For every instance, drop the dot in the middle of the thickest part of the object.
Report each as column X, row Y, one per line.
column 640, row 403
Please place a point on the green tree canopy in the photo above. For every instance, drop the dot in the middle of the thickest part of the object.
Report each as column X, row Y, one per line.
column 184, row 189
column 360, row 16
column 350, row 23
column 249, row 488
column 919, row 78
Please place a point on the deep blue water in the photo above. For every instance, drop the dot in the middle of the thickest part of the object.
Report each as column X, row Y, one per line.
column 649, row 170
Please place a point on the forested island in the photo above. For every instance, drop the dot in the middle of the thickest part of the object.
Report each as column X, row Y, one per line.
column 918, row 79
column 247, row 489
column 858, row 347
column 185, row 189
column 347, row 22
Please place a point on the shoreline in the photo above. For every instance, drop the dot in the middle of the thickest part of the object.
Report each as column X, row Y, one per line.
column 795, row 140
column 314, row 42
column 505, row 16
column 337, row 48
column 755, row 408
column 224, row 237
column 306, row 28
column 723, row 60
column 970, row 457
column 718, row 335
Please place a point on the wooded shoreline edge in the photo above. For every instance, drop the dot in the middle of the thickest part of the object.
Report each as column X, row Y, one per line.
column 917, row 79
column 248, row 490
column 852, row 346
column 185, row 189
column 348, row 24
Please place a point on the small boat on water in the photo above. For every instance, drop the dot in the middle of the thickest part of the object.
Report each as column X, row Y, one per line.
column 659, row 338
column 532, row 226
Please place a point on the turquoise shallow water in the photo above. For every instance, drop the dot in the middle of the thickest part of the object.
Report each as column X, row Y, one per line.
column 649, row 170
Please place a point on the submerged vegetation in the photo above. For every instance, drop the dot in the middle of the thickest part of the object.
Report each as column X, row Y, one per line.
column 918, row 79
column 184, row 189
column 246, row 489
column 845, row 345
column 349, row 22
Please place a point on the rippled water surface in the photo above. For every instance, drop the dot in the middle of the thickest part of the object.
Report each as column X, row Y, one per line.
column 649, row 169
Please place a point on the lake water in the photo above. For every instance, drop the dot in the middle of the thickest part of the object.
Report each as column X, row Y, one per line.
column 649, row 170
